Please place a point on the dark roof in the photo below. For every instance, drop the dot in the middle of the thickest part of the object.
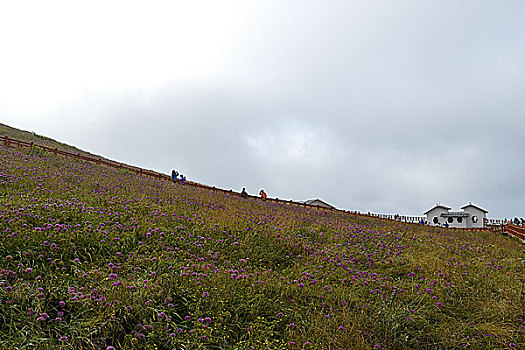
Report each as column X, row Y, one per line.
column 455, row 214
column 437, row 206
column 475, row 206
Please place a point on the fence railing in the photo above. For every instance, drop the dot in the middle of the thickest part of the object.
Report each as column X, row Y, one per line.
column 402, row 218
column 516, row 231
column 495, row 222
column 13, row 143
column 413, row 220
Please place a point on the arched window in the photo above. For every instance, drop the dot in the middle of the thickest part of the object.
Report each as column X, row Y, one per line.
column 435, row 220
column 460, row 220
column 474, row 219
column 450, row 220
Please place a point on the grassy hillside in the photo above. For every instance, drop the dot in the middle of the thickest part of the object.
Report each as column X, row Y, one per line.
column 94, row 258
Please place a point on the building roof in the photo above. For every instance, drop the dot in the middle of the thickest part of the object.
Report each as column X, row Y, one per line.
column 474, row 206
column 438, row 206
column 318, row 202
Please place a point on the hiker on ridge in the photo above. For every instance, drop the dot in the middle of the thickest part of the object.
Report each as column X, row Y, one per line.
column 243, row 193
column 263, row 195
column 174, row 175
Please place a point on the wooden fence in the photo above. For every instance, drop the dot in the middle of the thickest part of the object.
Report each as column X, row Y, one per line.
column 516, row 231
column 409, row 220
column 13, row 143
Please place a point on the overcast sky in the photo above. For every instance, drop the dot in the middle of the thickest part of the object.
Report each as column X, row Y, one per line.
column 382, row 106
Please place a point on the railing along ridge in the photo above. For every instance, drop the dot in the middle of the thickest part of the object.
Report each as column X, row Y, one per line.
column 515, row 230
column 411, row 220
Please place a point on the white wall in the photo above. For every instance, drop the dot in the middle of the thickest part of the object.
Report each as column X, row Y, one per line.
column 436, row 212
column 455, row 223
column 475, row 212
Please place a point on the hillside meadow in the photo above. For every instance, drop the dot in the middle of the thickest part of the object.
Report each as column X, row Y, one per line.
column 97, row 258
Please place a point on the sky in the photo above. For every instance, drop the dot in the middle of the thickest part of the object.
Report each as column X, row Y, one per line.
column 370, row 105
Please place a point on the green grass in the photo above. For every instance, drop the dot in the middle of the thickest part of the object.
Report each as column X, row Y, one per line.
column 116, row 259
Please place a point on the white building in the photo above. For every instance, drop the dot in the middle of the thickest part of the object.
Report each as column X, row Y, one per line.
column 470, row 216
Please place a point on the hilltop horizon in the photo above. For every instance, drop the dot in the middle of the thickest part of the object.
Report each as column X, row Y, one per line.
column 30, row 135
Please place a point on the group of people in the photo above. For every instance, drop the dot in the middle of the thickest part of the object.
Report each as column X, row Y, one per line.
column 176, row 177
column 263, row 194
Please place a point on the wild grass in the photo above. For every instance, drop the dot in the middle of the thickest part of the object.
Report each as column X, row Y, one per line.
column 94, row 258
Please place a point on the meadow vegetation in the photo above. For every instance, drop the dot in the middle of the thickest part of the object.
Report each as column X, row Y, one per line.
column 96, row 258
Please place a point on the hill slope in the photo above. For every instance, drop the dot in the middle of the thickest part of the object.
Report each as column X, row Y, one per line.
column 93, row 257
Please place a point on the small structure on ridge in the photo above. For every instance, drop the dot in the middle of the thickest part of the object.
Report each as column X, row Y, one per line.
column 319, row 203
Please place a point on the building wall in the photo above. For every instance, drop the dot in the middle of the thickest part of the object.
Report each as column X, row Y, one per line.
column 474, row 212
column 436, row 212
column 455, row 223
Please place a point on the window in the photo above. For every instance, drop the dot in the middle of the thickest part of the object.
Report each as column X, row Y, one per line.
column 460, row 220
column 435, row 220
column 450, row 220
column 474, row 219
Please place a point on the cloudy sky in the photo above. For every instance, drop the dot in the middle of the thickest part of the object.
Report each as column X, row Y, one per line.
column 371, row 105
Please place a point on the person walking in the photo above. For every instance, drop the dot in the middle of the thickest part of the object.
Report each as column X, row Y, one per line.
column 263, row 195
